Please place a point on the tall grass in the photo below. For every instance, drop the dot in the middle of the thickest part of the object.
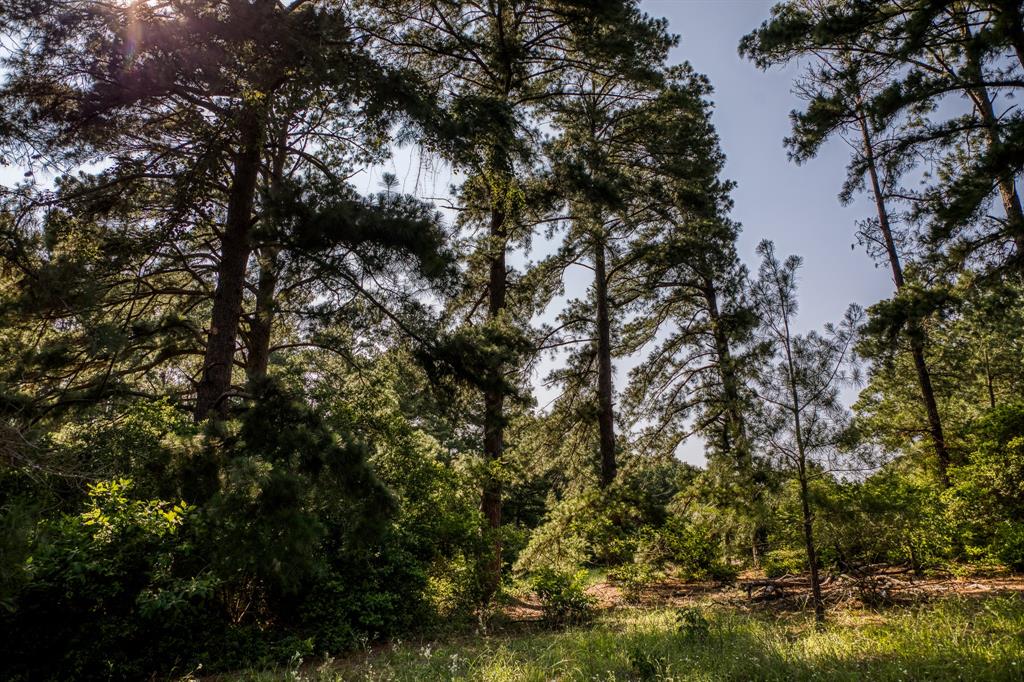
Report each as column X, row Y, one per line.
column 950, row 640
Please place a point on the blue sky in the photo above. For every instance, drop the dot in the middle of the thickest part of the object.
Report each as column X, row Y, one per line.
column 795, row 206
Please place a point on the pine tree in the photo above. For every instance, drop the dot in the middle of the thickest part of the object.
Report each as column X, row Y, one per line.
column 496, row 66
column 801, row 420
column 927, row 54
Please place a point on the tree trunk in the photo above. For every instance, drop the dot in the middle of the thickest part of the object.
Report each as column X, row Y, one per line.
column 215, row 382
column 914, row 330
column 262, row 322
column 812, row 555
column 1009, row 12
column 606, row 414
column 494, row 404
column 805, row 504
column 735, row 438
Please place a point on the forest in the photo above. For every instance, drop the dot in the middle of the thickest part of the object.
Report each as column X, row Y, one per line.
column 258, row 423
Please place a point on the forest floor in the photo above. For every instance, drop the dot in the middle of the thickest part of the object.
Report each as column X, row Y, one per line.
column 888, row 625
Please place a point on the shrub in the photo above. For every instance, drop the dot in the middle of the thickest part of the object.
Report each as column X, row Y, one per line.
column 723, row 572
column 688, row 546
column 563, row 596
column 780, row 562
column 691, row 622
column 633, row 579
column 1009, row 545
column 109, row 593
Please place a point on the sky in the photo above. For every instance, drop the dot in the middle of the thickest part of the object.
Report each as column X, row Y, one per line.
column 795, row 206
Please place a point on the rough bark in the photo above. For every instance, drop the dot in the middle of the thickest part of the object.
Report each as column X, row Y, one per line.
column 261, row 324
column 494, row 408
column 805, row 505
column 812, row 554
column 606, row 414
column 734, row 438
column 218, row 362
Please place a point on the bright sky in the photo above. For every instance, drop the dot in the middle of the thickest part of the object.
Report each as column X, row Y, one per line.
column 795, row 206
column 775, row 199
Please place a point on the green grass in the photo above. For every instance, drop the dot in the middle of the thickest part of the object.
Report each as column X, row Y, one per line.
column 949, row 640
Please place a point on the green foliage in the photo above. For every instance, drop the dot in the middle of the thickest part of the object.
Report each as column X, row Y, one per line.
column 1009, row 545
column 563, row 596
column 780, row 562
column 288, row 543
column 691, row 622
column 985, row 503
column 633, row 579
column 690, row 547
column 106, row 585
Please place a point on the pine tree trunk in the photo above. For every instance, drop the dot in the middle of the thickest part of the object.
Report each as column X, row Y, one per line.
column 914, row 330
column 262, row 322
column 735, row 438
column 735, row 433
column 218, row 362
column 812, row 554
column 494, row 415
column 805, row 503
column 606, row 414
column 1009, row 12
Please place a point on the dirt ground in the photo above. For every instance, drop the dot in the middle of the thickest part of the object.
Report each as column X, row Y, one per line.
column 886, row 586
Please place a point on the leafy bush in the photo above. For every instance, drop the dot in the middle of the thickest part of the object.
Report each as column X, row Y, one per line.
column 1009, row 545
column 689, row 547
column 633, row 579
column 780, row 562
column 563, row 596
column 109, row 584
column 723, row 572
column 691, row 622
column 288, row 545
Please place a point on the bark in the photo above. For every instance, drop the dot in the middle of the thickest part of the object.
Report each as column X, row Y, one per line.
column 1013, row 22
column 606, row 414
column 989, row 381
column 262, row 322
column 735, row 432
column 218, row 362
column 494, row 406
column 914, row 330
column 734, row 437
column 812, row 555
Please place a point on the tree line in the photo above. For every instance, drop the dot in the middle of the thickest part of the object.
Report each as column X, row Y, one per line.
column 246, row 404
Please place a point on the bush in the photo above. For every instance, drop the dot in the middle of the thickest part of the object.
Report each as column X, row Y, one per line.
column 633, row 579
column 689, row 547
column 691, row 622
column 563, row 596
column 288, row 545
column 1009, row 545
column 782, row 562
column 723, row 573
column 110, row 593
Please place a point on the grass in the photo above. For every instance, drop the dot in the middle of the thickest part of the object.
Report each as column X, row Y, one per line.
column 954, row 639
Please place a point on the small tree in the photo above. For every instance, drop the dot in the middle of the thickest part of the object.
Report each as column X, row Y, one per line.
column 800, row 420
